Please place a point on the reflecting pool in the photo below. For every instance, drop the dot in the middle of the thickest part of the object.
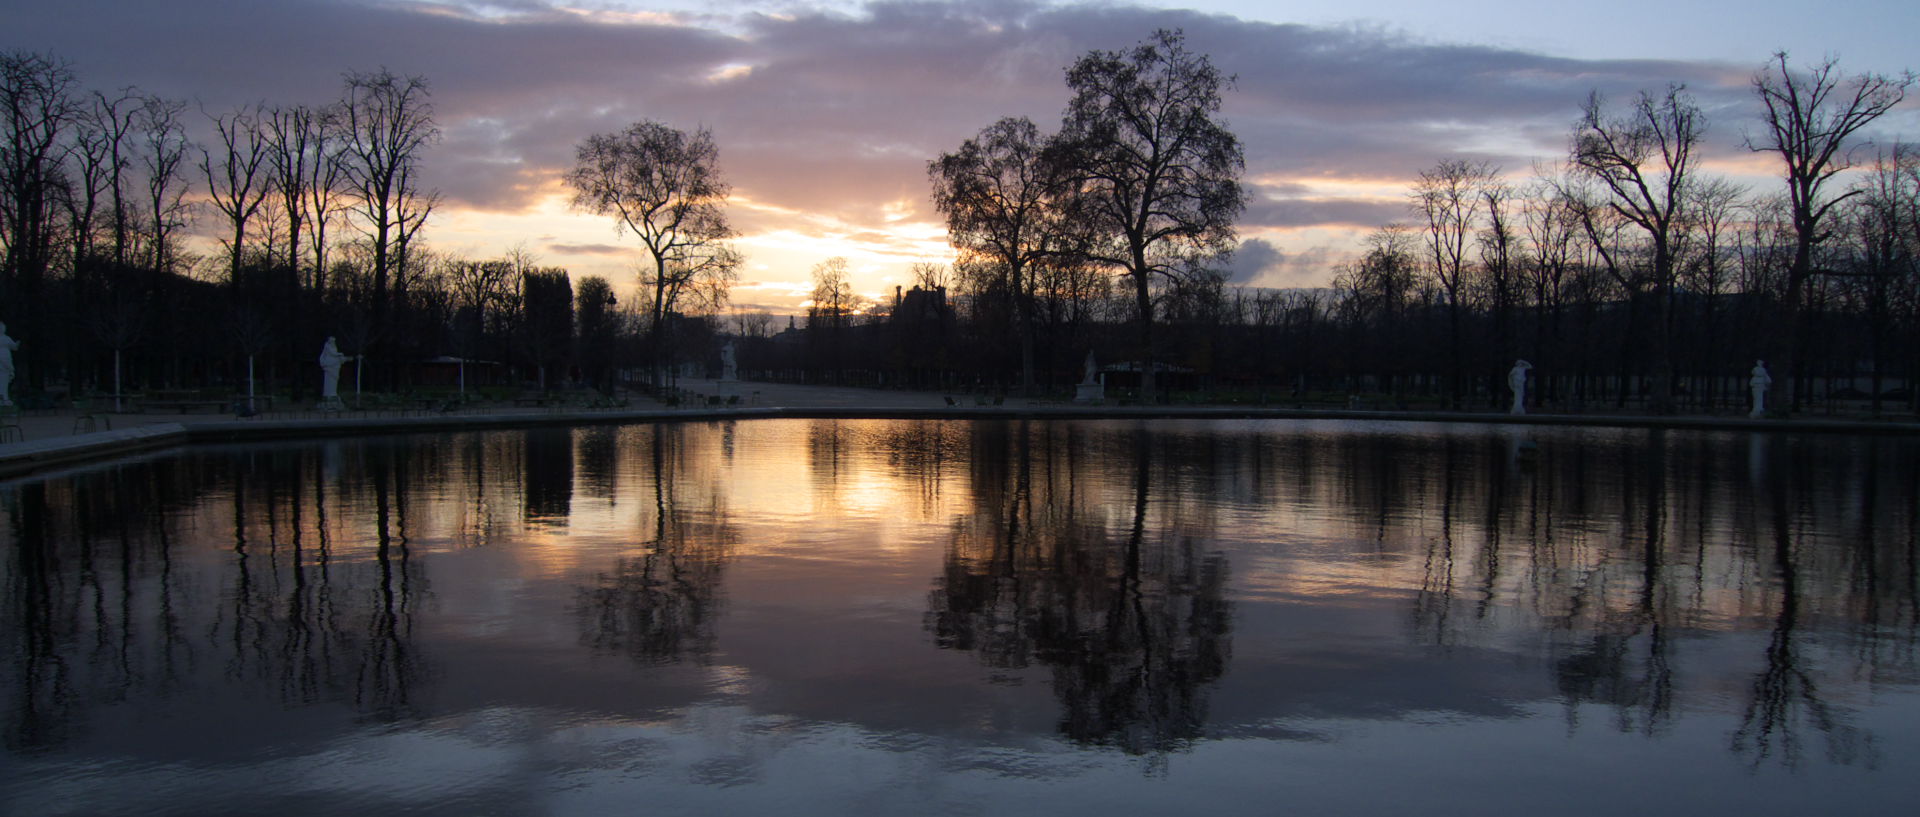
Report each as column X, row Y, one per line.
column 961, row 617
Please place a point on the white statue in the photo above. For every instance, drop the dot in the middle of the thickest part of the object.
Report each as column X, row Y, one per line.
column 1759, row 383
column 729, row 368
column 1517, row 383
column 330, row 360
column 7, row 345
column 1090, row 392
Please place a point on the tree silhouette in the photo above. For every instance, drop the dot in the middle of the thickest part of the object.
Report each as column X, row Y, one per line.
column 664, row 186
column 1158, row 169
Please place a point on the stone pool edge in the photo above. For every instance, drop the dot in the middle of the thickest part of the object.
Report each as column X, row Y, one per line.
column 28, row 458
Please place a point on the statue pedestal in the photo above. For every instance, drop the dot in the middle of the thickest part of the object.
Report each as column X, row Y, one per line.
column 1089, row 393
column 330, row 404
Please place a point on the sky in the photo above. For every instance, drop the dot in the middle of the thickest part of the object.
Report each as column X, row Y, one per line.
column 826, row 113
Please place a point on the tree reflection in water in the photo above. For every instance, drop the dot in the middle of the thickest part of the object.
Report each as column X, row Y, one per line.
column 1637, row 545
column 659, row 606
column 318, row 599
column 1132, row 618
column 1628, row 579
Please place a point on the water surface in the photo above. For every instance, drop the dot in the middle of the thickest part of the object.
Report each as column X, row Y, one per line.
column 830, row 617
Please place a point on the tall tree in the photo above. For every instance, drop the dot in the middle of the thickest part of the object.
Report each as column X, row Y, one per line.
column 1811, row 118
column 1448, row 200
column 237, row 177
column 36, row 110
column 827, row 312
column 1499, row 270
column 595, row 313
column 164, row 149
column 1549, row 227
column 664, row 186
column 1003, row 193
column 1158, row 167
column 386, row 121
column 92, row 160
column 547, row 329
column 1644, row 161
column 1376, row 293
column 115, row 119
column 1712, row 215
column 303, row 162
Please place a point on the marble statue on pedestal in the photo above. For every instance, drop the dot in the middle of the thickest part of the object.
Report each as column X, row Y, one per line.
column 729, row 384
column 1759, row 383
column 1517, row 383
column 1090, row 390
column 330, row 361
column 7, row 345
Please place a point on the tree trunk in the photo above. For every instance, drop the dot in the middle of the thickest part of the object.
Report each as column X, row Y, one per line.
column 1143, row 297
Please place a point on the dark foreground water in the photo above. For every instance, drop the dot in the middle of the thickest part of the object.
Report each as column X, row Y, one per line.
column 891, row 617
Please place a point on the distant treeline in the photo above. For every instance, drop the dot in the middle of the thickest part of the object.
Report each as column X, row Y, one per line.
column 321, row 211
column 1624, row 274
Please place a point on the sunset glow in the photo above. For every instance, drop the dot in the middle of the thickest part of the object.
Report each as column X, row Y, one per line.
column 826, row 114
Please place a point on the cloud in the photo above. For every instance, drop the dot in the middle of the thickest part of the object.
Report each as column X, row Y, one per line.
column 590, row 249
column 1316, row 212
column 1261, row 263
column 823, row 116
column 1251, row 260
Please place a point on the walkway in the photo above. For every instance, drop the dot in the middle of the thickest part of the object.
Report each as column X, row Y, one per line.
column 42, row 440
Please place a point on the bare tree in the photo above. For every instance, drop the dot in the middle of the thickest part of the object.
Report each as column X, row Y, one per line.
column 325, row 193
column 304, row 171
column 753, row 323
column 1499, row 241
column 1158, row 167
column 664, row 186
column 114, row 120
column 36, row 110
column 930, row 276
column 1811, row 118
column 237, row 182
column 1002, row 193
column 833, row 299
column 1549, row 228
column 1644, row 162
column 1375, row 296
column 163, row 148
column 1448, row 200
column 93, row 157
column 386, row 121
column 1884, row 241
column 833, row 302
column 1703, row 244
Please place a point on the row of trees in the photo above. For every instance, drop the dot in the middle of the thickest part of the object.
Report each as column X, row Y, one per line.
column 1625, row 271
column 1141, row 180
column 319, row 211
column 1707, row 272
